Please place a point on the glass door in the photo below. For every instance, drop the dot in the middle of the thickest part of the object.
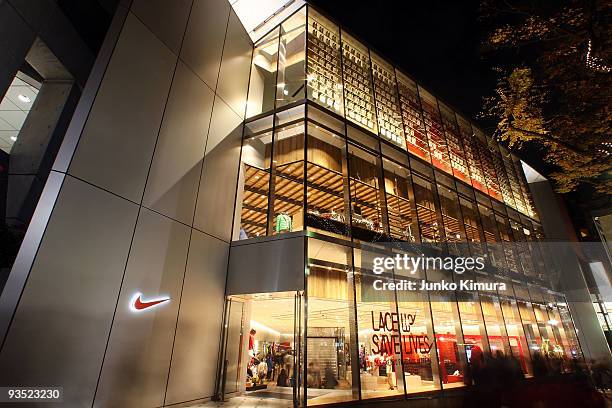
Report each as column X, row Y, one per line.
column 263, row 347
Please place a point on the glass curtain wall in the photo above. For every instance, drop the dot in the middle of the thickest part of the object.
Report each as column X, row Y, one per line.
column 340, row 144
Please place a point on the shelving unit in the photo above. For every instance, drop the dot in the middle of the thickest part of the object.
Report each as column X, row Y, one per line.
column 255, row 201
column 414, row 128
column 455, row 148
column 435, row 135
column 324, row 77
column 357, row 84
column 387, row 104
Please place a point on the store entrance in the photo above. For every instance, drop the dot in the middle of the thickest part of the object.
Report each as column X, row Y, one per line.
column 263, row 347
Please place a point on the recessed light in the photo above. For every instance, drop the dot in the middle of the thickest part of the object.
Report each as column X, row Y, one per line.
column 14, row 138
column 24, row 98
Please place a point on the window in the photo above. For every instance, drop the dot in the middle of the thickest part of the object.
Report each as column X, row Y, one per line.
column 402, row 220
column 324, row 76
column 291, row 54
column 254, row 179
column 429, row 223
column 366, row 207
column 327, row 193
column 262, row 85
column 412, row 118
column 455, row 148
column 287, row 209
column 435, row 135
column 331, row 358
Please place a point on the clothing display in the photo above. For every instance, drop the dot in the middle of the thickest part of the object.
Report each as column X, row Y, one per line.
column 283, row 223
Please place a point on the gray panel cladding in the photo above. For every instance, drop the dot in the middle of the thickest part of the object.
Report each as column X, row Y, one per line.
column 235, row 66
column 215, row 207
column 196, row 348
column 203, row 44
column 138, row 358
column 116, row 146
column 270, row 266
column 167, row 19
column 177, row 163
column 59, row 331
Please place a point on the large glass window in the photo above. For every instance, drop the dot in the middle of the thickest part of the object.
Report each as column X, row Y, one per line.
column 448, row 339
column 516, row 335
column 419, row 353
column 412, row 117
column 291, row 55
column 387, row 105
column 324, row 76
column 366, row 207
column 287, row 209
column 471, row 224
column 402, row 220
column 380, row 348
column 488, row 169
column 471, row 154
column 254, row 180
column 474, row 333
column 262, row 85
column 327, row 176
column 455, row 148
column 331, row 328
column 451, row 217
column 358, row 94
column 435, row 133
column 429, row 221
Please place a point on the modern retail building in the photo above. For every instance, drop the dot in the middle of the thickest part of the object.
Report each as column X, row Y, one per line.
column 245, row 188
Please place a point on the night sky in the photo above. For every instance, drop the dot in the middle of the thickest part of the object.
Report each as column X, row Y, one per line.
column 436, row 42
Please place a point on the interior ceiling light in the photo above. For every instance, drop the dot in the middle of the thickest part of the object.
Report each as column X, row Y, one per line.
column 24, row 98
column 14, row 138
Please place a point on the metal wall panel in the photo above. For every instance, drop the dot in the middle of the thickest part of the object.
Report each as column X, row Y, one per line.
column 177, row 163
column 215, row 207
column 167, row 19
column 204, row 38
column 59, row 331
column 235, row 66
column 270, row 266
column 136, row 366
column 116, row 146
column 196, row 347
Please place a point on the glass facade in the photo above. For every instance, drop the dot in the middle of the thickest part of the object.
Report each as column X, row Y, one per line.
column 349, row 152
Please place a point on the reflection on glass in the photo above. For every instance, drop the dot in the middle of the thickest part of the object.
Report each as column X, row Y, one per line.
column 287, row 211
column 516, row 335
column 486, row 161
column 291, row 55
column 254, row 179
column 262, row 85
column 327, row 181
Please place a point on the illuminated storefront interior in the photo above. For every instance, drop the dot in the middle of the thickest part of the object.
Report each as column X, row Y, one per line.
column 342, row 147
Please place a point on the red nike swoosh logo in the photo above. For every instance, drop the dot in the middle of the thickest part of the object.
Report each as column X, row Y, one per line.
column 138, row 304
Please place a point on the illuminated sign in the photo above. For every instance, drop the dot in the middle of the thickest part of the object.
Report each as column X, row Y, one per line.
column 137, row 304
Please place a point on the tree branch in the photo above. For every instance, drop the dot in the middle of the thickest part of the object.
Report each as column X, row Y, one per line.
column 550, row 139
